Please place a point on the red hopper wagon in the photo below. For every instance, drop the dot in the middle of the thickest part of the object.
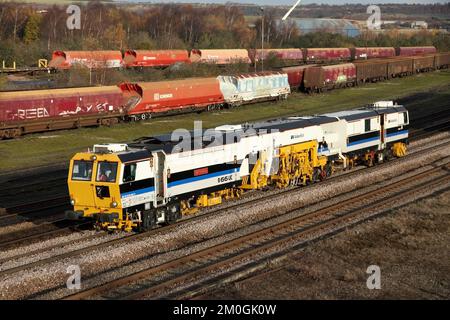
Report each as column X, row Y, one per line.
column 88, row 59
column 155, row 58
column 158, row 98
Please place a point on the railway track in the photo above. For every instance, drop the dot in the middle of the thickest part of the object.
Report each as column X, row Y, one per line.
column 181, row 274
column 429, row 130
column 40, row 233
column 34, row 211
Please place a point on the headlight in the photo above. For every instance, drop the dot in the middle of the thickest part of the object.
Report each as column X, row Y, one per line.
column 114, row 204
column 72, row 202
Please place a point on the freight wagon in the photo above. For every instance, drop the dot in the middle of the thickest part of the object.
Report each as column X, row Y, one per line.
column 220, row 57
column 88, row 59
column 400, row 67
column 43, row 110
column 296, row 75
column 442, row 60
column 371, row 71
column 286, row 55
column 329, row 77
column 424, row 63
column 155, row 58
column 321, row 55
column 415, row 51
column 363, row 53
column 242, row 89
column 165, row 97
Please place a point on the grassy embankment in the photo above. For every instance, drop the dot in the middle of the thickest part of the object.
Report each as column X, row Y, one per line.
column 58, row 147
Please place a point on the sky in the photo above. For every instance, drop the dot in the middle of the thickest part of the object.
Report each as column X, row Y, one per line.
column 291, row 2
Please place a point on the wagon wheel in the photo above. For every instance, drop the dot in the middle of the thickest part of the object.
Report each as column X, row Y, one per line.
column 105, row 122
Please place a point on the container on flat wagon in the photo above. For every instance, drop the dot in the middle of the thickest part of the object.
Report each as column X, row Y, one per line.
column 169, row 96
column 329, row 76
column 415, row 51
column 362, row 53
column 221, row 57
column 293, row 55
column 442, row 60
column 371, row 70
column 24, row 106
column 296, row 75
column 155, row 58
column 244, row 88
column 400, row 66
column 88, row 59
column 327, row 54
column 423, row 63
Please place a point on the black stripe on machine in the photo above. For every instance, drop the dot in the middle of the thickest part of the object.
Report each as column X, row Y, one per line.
column 137, row 185
column 361, row 137
column 198, row 172
column 396, row 129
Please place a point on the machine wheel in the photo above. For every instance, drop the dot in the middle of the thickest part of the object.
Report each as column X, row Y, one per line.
column 148, row 220
column 173, row 213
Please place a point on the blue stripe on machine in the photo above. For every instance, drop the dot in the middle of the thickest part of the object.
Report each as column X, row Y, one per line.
column 137, row 192
column 362, row 141
column 396, row 133
column 206, row 176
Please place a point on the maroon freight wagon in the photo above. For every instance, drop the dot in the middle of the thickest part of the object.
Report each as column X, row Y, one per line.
column 423, row 63
column 400, row 66
column 442, row 60
column 371, row 70
column 329, row 77
column 285, row 55
column 415, row 51
column 362, row 53
column 319, row 55
column 44, row 110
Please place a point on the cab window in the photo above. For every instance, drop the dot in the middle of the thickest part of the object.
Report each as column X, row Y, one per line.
column 129, row 172
column 82, row 170
column 106, row 172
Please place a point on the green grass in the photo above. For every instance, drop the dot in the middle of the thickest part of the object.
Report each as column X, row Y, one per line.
column 58, row 147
